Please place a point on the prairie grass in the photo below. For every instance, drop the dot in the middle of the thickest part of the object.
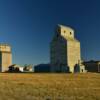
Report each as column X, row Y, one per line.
column 31, row 86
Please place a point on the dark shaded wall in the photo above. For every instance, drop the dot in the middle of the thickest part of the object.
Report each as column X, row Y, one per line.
column 92, row 66
column 42, row 68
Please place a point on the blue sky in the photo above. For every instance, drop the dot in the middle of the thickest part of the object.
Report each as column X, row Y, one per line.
column 28, row 26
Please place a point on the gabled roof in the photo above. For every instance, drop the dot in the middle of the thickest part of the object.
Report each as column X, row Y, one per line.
column 65, row 26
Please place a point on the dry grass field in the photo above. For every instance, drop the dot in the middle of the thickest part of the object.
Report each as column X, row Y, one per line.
column 49, row 86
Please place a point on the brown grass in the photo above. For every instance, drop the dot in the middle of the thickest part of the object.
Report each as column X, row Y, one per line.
column 49, row 86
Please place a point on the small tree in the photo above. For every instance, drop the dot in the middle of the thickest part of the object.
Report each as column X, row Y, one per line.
column 27, row 67
column 17, row 69
column 11, row 68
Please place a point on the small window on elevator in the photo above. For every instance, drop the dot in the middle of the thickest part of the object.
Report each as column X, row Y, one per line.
column 70, row 33
column 64, row 31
